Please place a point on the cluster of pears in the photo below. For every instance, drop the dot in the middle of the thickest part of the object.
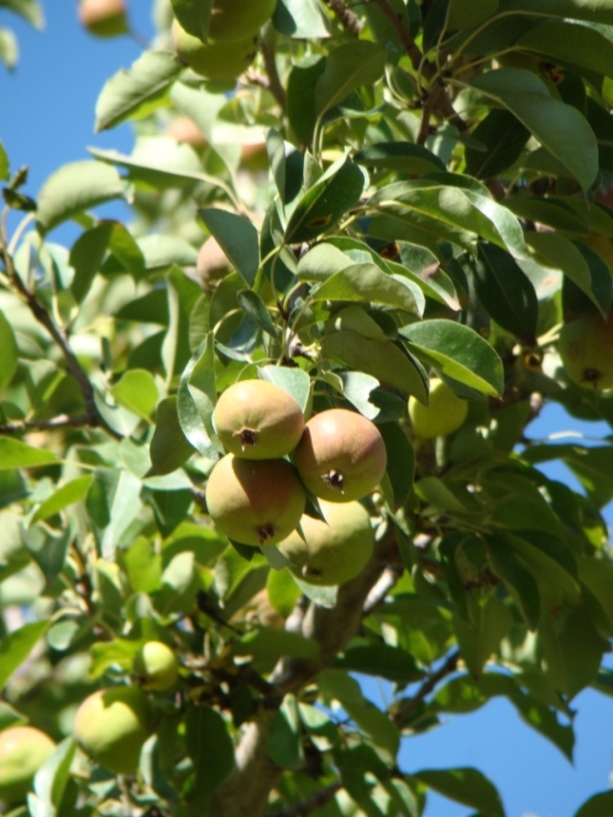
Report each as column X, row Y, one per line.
column 111, row 725
column 232, row 42
column 586, row 350
column 257, row 497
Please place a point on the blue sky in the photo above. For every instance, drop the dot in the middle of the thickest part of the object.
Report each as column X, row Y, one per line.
column 46, row 120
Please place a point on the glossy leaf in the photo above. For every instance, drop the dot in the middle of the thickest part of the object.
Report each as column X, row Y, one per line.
column 400, row 461
column 464, row 785
column 17, row 646
column 347, row 67
column 15, row 454
column 75, row 188
column 382, row 660
column 401, row 157
column 459, row 353
column 294, row 381
column 68, row 494
column 9, row 353
column 569, row 42
column 238, row 239
column 269, row 645
column 137, row 392
column 503, row 137
column 366, row 282
column 210, row 747
column 86, row 257
column 300, row 19
column 169, row 446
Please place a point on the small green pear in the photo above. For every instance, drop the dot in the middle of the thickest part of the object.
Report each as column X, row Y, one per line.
column 255, row 502
column 214, row 60
column 111, row 726
column 104, row 18
column 586, row 351
column 23, row 750
column 258, row 420
column 334, row 551
column 156, row 666
column 341, row 456
column 443, row 415
column 235, row 19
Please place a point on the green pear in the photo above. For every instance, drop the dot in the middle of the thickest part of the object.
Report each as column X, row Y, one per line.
column 112, row 725
column 156, row 666
column 23, row 750
column 334, row 551
column 443, row 415
column 586, row 351
column 104, row 18
column 255, row 502
column 235, row 19
column 258, row 420
column 218, row 61
column 341, row 456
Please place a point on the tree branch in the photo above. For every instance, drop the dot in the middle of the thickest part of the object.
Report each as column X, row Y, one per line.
column 311, row 804
column 386, row 581
column 350, row 21
column 426, row 688
column 274, row 82
column 72, row 364
column 61, row 421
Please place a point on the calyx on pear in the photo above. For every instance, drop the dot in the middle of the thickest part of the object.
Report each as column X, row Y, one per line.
column 334, row 551
column 23, row 750
column 586, row 351
column 255, row 502
column 341, row 456
column 258, row 420
column 111, row 726
column 443, row 415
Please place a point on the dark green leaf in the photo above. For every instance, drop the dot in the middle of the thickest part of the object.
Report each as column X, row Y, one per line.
column 465, row 785
column 504, row 138
column 268, row 644
column 169, row 447
column 252, row 305
column 210, row 747
column 400, row 461
column 86, row 257
column 381, row 660
column 9, row 353
column 567, row 42
column 348, row 67
column 238, row 239
column 519, row 580
column 301, row 86
column 598, row 805
column 402, row 157
column 17, row 646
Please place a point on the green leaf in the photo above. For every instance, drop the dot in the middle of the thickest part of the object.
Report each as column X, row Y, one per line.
column 196, row 399
column 598, row 805
column 210, row 748
column 506, row 292
column 301, row 85
column 559, row 127
column 30, row 10
column 322, row 261
column 169, row 446
column 392, row 663
column 504, row 138
column 326, row 202
column 381, row 359
column 161, row 251
column 283, row 592
column 464, row 785
column 52, row 777
column 268, row 645
column 401, row 157
column 302, row 19
column 284, row 741
column 400, row 461
column 73, row 491
column 137, row 92
column 294, row 381
column 10, row 716
column 4, row 164
column 599, row 11
column 366, row 282
column 238, row 239
column 9, row 353
column 459, row 353
column 86, row 257
column 15, row 454
column 520, row 581
column 469, row 13
column 253, row 306
column 9, row 49
column 75, row 188
column 480, row 637
column 567, row 42
column 137, row 391
column 17, row 646
column 348, row 67
column 157, row 163
column 194, row 16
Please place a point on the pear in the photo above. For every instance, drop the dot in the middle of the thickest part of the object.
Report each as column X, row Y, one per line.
column 234, row 19
column 218, row 61
column 443, row 415
column 255, row 502
column 586, row 351
column 156, row 666
column 104, row 18
column 341, row 456
column 112, row 725
column 258, row 420
column 212, row 265
column 23, row 750
column 183, row 129
column 334, row 551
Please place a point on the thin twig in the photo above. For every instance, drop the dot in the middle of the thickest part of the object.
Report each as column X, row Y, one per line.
column 427, row 111
column 61, row 421
column 350, row 21
column 311, row 804
column 426, row 688
column 72, row 364
column 274, row 82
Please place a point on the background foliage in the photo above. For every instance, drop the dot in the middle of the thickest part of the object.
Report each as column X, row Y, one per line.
column 423, row 214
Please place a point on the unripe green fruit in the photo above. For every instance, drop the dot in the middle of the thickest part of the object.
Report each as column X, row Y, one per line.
column 257, row 420
column 443, row 415
column 23, row 750
column 112, row 725
column 336, row 550
column 341, row 456
column 234, row 19
column 220, row 61
column 104, row 18
column 257, row 502
column 586, row 351
column 156, row 666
